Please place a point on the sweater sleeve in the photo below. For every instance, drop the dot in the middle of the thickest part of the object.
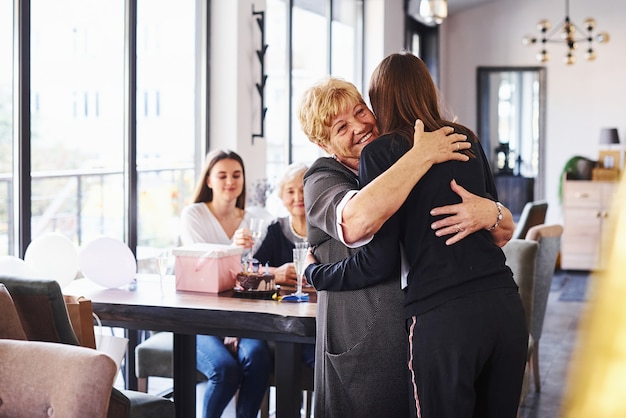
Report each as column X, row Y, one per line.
column 380, row 259
column 374, row 263
column 324, row 188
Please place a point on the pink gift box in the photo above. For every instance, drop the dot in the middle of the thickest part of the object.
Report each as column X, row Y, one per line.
column 207, row 267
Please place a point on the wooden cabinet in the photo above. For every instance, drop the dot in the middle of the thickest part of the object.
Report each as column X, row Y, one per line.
column 586, row 206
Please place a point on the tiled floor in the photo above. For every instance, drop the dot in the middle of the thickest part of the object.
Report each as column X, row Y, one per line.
column 557, row 343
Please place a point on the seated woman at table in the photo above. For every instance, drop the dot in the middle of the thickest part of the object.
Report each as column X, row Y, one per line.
column 218, row 216
column 283, row 233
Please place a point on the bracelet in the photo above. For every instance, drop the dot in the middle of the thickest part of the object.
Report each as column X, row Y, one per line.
column 498, row 218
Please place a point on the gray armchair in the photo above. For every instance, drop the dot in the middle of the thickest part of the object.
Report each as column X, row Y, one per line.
column 549, row 239
column 521, row 257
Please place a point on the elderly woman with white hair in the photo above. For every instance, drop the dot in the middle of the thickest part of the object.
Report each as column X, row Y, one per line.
column 282, row 235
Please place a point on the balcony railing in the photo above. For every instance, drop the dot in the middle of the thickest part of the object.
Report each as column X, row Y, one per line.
column 82, row 204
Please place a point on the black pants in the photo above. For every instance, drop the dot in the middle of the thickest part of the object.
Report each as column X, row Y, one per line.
column 467, row 357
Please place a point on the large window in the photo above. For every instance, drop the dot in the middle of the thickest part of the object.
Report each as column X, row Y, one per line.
column 307, row 42
column 83, row 128
column 167, row 55
column 7, row 217
column 118, row 115
column 77, row 118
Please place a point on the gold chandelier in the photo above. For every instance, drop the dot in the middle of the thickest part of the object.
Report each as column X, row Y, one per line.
column 568, row 35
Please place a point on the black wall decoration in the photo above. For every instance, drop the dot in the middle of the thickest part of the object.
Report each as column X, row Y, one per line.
column 260, row 20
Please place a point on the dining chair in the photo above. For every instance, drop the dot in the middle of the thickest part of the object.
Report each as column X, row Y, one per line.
column 154, row 358
column 534, row 213
column 41, row 307
column 40, row 366
column 43, row 379
column 10, row 324
column 306, row 385
column 549, row 239
column 521, row 257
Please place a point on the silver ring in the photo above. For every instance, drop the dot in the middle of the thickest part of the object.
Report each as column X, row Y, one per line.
column 458, row 228
column 458, row 147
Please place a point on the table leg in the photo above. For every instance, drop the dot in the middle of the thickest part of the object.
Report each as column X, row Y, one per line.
column 185, row 375
column 130, row 378
column 287, row 376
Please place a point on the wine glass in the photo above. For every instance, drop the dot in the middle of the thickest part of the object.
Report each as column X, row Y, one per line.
column 304, row 245
column 256, row 231
column 299, row 262
column 163, row 261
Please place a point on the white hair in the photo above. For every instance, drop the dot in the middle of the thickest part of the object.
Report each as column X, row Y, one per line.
column 291, row 172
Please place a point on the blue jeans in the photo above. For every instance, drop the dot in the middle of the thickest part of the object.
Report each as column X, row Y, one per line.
column 249, row 372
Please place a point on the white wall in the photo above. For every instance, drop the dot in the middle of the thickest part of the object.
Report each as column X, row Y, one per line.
column 383, row 33
column 581, row 99
column 235, row 68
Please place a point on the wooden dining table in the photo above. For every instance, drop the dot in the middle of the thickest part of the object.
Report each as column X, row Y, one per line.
column 150, row 306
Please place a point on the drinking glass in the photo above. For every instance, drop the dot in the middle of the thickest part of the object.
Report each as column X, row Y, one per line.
column 299, row 257
column 163, row 261
column 256, row 231
column 304, row 245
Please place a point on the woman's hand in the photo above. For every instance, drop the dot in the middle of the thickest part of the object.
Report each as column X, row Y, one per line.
column 286, row 274
column 232, row 344
column 243, row 238
column 440, row 145
column 310, row 258
column 473, row 214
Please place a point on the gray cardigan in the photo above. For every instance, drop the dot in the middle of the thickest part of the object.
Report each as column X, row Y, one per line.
column 361, row 344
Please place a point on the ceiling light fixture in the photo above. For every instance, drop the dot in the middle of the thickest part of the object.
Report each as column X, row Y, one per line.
column 434, row 11
column 567, row 31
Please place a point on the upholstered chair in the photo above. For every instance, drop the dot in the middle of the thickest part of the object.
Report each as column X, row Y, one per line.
column 30, row 373
column 534, row 213
column 549, row 239
column 41, row 379
column 10, row 325
column 154, row 358
column 521, row 257
column 41, row 308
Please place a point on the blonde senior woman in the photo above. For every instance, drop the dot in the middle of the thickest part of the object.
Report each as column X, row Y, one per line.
column 365, row 326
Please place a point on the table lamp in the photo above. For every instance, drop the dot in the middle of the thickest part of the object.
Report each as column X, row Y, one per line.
column 609, row 137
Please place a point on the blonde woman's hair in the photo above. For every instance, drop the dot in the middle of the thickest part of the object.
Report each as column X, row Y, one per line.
column 322, row 103
column 291, row 172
